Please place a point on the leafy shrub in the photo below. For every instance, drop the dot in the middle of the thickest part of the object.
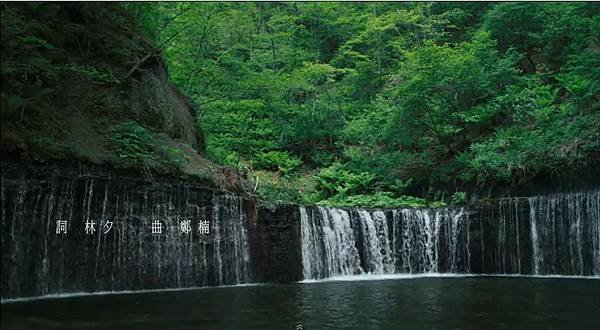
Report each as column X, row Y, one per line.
column 172, row 158
column 97, row 76
column 459, row 198
column 322, row 158
column 278, row 161
column 560, row 141
column 133, row 145
column 379, row 200
column 336, row 180
column 223, row 156
column 286, row 189
column 437, row 204
column 398, row 186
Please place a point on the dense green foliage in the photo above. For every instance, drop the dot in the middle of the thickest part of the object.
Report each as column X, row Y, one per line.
column 135, row 146
column 362, row 104
column 370, row 104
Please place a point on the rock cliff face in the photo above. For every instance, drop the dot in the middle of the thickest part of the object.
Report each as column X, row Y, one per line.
column 276, row 242
column 80, row 83
column 248, row 241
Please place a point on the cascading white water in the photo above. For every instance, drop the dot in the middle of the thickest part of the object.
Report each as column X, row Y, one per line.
column 232, row 253
column 434, row 238
column 565, row 233
column 593, row 205
column 329, row 235
column 420, row 241
column 459, row 255
column 130, row 256
column 546, row 235
column 376, row 242
column 535, row 243
column 405, row 241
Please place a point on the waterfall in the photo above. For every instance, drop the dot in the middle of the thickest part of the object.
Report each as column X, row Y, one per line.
column 556, row 234
column 565, row 233
column 330, row 236
column 420, row 241
column 36, row 260
column 535, row 243
column 376, row 242
column 232, row 254
column 337, row 242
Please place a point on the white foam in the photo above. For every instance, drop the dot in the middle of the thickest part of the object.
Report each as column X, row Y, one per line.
column 102, row 293
column 380, row 277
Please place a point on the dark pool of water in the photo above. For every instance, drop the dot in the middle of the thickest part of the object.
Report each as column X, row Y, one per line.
column 423, row 303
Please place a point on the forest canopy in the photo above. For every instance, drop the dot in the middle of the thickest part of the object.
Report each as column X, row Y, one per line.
column 351, row 104
column 365, row 103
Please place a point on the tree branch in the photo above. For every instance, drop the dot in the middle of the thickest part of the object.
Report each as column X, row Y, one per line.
column 155, row 52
